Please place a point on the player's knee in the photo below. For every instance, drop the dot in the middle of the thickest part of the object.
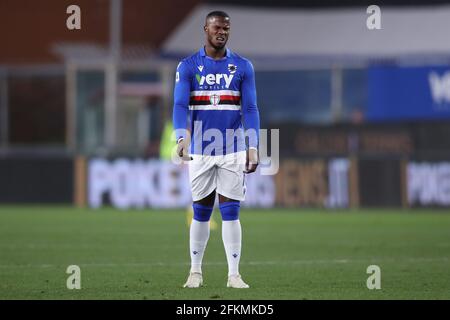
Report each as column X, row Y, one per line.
column 230, row 210
column 201, row 212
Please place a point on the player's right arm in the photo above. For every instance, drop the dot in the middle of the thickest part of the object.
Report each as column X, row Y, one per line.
column 181, row 98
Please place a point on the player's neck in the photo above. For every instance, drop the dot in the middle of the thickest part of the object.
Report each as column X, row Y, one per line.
column 215, row 53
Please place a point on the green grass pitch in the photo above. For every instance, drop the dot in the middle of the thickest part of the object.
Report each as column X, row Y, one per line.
column 287, row 254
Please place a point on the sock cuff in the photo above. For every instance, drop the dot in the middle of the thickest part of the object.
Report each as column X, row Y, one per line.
column 229, row 204
column 202, row 213
column 200, row 206
column 230, row 210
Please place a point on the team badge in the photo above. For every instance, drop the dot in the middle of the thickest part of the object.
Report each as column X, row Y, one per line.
column 232, row 68
column 214, row 99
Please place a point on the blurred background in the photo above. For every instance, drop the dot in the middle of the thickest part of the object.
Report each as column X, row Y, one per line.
column 364, row 115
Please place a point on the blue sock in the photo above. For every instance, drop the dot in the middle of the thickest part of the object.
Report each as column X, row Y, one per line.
column 202, row 213
column 230, row 210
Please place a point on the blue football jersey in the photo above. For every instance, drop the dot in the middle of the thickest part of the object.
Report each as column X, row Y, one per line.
column 215, row 100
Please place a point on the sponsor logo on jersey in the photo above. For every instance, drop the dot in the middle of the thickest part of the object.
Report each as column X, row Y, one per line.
column 200, row 68
column 215, row 79
column 440, row 87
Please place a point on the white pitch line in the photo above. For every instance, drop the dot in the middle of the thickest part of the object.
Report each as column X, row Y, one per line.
column 216, row 263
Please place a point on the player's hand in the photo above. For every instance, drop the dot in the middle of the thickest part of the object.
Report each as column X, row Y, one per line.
column 251, row 162
column 182, row 150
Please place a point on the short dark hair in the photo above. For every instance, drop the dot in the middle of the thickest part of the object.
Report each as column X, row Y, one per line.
column 217, row 14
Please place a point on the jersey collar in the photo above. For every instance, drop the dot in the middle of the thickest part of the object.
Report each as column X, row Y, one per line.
column 203, row 53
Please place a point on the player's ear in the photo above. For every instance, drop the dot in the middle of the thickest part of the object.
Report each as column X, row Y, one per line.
column 205, row 28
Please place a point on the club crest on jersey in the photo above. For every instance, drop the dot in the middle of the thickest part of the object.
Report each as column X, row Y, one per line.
column 214, row 99
column 232, row 68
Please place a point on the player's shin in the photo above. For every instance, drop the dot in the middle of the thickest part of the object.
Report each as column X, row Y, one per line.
column 199, row 235
column 231, row 235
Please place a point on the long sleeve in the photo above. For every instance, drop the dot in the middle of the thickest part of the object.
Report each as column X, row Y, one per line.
column 250, row 110
column 181, row 100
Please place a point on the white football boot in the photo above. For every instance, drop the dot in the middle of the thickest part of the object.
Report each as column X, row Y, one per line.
column 195, row 280
column 235, row 281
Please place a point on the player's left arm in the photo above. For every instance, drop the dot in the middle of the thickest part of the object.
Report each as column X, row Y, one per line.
column 250, row 115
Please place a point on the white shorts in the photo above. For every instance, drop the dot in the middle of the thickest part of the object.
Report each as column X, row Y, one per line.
column 225, row 174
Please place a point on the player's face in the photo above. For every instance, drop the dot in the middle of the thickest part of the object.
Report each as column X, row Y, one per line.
column 217, row 30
